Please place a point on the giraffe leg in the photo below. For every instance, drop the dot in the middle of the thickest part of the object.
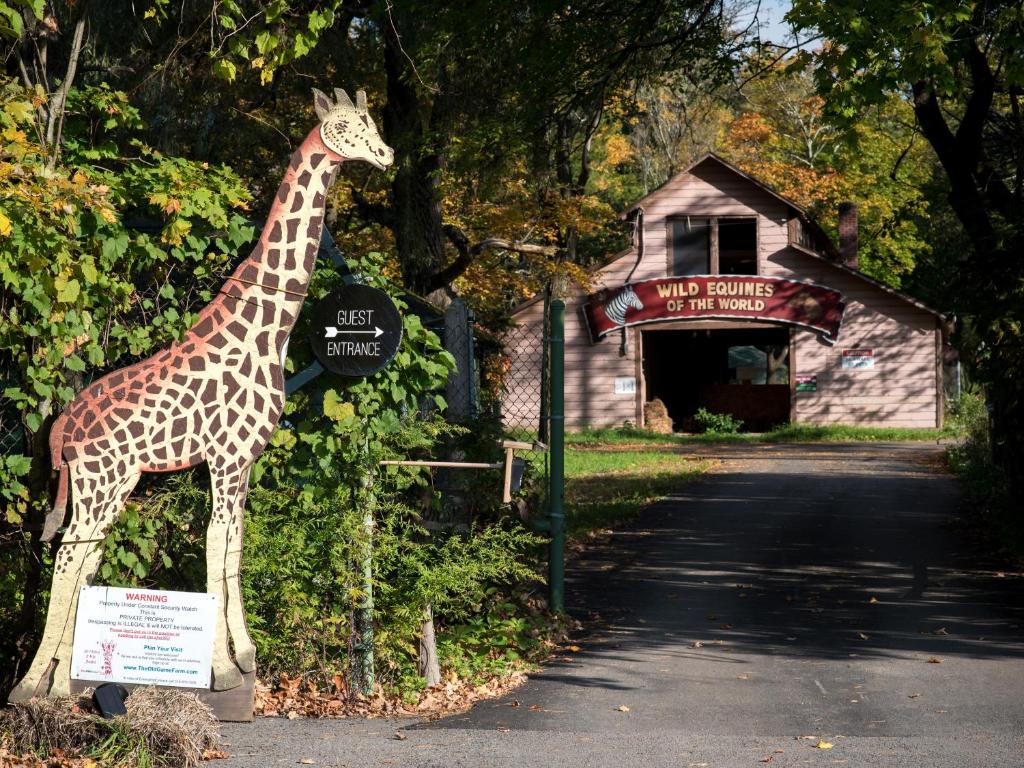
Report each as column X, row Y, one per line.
column 245, row 650
column 95, row 504
column 228, row 484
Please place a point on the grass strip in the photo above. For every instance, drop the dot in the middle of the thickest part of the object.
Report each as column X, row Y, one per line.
column 609, row 487
column 791, row 433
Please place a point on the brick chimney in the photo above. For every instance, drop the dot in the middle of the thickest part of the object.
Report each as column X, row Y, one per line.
column 848, row 234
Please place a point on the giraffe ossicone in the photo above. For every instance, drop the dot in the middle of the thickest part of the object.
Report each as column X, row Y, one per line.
column 214, row 396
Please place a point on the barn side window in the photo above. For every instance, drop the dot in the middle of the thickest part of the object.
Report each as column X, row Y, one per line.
column 737, row 246
column 712, row 245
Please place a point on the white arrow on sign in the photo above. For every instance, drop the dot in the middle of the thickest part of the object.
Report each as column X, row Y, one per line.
column 330, row 331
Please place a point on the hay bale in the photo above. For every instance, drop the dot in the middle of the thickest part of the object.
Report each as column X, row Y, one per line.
column 66, row 723
column 173, row 726
column 656, row 418
column 174, row 723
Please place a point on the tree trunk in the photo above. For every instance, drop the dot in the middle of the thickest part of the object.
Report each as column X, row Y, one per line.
column 995, row 227
column 415, row 196
column 427, row 663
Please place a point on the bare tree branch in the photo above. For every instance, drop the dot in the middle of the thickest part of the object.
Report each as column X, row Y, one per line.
column 58, row 103
column 468, row 253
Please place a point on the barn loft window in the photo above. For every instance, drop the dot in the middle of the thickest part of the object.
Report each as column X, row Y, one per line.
column 703, row 245
column 691, row 246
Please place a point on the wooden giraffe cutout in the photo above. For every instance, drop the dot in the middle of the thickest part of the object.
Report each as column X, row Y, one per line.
column 215, row 396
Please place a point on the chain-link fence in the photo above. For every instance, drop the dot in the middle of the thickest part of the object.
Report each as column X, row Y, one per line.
column 523, row 374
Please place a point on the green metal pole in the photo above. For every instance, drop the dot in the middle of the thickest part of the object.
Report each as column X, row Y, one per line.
column 556, row 495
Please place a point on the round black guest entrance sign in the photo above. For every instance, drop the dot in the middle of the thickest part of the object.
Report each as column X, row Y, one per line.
column 356, row 330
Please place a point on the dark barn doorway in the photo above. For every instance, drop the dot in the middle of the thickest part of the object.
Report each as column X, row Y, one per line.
column 742, row 372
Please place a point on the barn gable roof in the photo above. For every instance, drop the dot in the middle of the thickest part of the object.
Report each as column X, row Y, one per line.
column 828, row 253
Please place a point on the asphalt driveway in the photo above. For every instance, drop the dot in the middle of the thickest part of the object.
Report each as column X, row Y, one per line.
column 804, row 605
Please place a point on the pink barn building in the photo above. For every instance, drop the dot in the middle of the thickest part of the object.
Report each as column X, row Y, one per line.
column 733, row 300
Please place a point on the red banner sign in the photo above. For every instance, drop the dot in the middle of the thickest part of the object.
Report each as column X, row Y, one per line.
column 716, row 297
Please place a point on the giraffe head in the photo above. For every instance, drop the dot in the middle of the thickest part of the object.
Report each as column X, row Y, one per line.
column 348, row 129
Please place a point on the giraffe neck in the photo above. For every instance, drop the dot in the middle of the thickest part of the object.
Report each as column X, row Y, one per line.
column 276, row 275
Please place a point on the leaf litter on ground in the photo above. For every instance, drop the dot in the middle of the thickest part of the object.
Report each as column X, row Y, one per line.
column 294, row 697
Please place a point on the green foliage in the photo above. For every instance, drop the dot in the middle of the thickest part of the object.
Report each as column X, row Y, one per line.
column 878, row 47
column 124, row 745
column 504, row 634
column 264, row 38
column 717, row 423
column 70, row 269
column 11, row 24
column 989, row 496
column 158, row 542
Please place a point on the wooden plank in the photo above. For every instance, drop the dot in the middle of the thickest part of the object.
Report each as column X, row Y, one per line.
column 792, row 375
column 234, row 706
column 809, row 401
column 638, row 372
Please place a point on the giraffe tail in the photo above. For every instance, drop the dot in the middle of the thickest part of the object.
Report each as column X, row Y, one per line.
column 56, row 515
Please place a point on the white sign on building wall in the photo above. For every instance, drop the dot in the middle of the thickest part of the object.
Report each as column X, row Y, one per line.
column 858, row 358
column 625, row 385
column 144, row 636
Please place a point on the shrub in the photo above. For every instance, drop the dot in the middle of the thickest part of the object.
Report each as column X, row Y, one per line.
column 986, row 484
column 717, row 423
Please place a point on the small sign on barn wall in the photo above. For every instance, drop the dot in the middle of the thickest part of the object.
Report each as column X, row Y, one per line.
column 858, row 358
column 806, row 382
column 625, row 385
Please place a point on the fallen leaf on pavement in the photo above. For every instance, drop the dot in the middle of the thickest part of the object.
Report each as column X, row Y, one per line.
column 914, row 696
column 824, row 745
column 743, row 677
column 766, row 759
column 941, row 631
column 573, row 648
column 307, row 761
column 696, row 644
column 400, row 736
column 862, row 636
column 934, row 660
column 535, row 707
column 622, row 708
column 293, row 715
column 873, row 600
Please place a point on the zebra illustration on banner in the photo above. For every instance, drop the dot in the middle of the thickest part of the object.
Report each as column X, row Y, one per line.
column 625, row 299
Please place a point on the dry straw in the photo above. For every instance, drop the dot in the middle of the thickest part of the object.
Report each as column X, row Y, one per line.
column 164, row 726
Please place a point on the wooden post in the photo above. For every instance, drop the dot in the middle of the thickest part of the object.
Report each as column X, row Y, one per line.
column 458, row 340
